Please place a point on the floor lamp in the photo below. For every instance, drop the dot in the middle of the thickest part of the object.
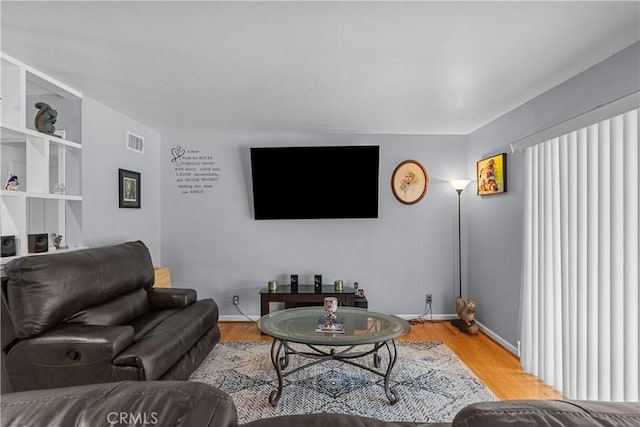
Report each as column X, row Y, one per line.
column 459, row 185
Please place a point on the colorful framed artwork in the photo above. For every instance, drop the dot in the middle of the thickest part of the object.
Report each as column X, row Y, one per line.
column 410, row 182
column 129, row 189
column 492, row 175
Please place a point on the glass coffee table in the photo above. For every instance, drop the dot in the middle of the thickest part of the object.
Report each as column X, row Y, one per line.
column 354, row 334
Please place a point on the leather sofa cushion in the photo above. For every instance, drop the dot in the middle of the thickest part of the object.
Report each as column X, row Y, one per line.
column 162, row 403
column 551, row 413
column 45, row 290
column 160, row 348
column 150, row 320
column 118, row 311
column 184, row 367
column 8, row 334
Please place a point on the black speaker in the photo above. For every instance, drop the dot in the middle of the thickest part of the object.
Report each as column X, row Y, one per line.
column 8, row 245
column 38, row 243
column 317, row 283
column 294, row 283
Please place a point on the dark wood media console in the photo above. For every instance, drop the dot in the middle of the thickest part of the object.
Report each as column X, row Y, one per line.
column 306, row 295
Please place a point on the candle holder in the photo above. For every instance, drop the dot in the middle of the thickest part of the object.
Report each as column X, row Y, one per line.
column 331, row 306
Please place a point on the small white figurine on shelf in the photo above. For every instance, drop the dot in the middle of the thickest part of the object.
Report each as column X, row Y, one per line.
column 12, row 183
column 60, row 189
column 57, row 240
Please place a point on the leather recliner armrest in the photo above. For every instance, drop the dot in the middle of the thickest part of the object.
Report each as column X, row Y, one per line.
column 107, row 340
column 43, row 361
column 168, row 298
column 159, row 403
column 560, row 413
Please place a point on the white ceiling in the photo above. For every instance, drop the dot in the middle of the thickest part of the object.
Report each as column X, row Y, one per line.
column 351, row 67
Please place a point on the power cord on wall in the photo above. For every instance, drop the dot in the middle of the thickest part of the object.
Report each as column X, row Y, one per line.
column 421, row 319
column 243, row 313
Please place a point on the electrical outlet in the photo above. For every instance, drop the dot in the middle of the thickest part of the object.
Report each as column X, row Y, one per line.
column 236, row 300
column 428, row 300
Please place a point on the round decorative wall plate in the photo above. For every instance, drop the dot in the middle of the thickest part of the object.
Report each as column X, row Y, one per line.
column 410, row 182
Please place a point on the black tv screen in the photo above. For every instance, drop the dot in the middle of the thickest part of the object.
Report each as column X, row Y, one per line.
column 315, row 182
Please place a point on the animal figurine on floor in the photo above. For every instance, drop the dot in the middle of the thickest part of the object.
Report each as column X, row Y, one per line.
column 45, row 118
column 466, row 311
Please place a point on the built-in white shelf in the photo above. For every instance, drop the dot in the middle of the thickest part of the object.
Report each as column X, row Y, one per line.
column 41, row 161
column 7, row 193
column 14, row 134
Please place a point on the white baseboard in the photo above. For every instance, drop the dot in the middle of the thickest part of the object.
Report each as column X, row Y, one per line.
column 427, row 317
column 236, row 318
column 241, row 318
column 498, row 339
column 489, row 332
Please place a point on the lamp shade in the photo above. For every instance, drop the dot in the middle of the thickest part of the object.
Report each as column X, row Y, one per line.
column 459, row 184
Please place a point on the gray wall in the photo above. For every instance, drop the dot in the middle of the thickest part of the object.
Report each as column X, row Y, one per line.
column 104, row 136
column 495, row 222
column 212, row 243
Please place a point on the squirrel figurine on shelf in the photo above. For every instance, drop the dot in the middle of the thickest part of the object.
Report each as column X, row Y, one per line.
column 45, row 118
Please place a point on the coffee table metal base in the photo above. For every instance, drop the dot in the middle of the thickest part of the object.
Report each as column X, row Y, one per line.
column 281, row 350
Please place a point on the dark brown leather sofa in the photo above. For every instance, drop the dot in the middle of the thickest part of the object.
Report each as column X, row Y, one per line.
column 92, row 316
column 190, row 404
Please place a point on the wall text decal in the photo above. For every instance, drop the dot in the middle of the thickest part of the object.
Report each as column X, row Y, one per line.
column 195, row 172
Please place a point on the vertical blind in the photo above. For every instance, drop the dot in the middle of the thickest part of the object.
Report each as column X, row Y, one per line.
column 580, row 300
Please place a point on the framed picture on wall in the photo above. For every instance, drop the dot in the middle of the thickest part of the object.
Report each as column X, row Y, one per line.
column 129, row 189
column 492, row 175
column 410, row 182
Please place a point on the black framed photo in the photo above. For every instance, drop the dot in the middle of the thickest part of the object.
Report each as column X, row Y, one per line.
column 129, row 188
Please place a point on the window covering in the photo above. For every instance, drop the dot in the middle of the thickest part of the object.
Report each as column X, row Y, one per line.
column 580, row 300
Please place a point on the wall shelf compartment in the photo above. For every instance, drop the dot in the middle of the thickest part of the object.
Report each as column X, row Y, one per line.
column 49, row 167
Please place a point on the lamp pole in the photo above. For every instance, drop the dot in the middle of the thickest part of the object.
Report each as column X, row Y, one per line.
column 459, row 185
column 459, row 191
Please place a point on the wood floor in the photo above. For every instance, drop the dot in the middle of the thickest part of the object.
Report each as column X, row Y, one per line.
column 496, row 367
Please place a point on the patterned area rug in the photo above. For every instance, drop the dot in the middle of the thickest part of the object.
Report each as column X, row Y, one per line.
column 432, row 382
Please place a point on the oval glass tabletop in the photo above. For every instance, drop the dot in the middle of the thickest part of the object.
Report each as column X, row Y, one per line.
column 351, row 326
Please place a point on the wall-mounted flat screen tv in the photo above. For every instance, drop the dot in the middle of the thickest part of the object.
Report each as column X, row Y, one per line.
column 315, row 182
